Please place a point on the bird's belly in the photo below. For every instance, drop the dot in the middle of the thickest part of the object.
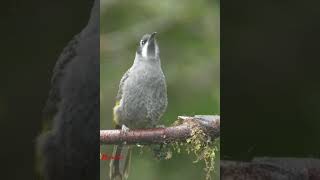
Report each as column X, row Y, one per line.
column 137, row 105
column 135, row 110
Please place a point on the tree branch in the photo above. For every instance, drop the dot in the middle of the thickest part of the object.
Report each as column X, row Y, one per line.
column 208, row 123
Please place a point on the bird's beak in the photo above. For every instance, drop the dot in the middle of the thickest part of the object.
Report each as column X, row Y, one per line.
column 152, row 36
column 151, row 45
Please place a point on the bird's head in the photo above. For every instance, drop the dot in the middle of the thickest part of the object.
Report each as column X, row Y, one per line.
column 148, row 47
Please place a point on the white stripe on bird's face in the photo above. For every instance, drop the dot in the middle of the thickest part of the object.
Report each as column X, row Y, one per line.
column 145, row 50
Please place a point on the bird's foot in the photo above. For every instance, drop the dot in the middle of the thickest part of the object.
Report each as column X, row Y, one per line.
column 124, row 128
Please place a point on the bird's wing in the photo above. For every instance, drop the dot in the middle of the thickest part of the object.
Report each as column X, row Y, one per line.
column 118, row 99
column 122, row 81
column 54, row 97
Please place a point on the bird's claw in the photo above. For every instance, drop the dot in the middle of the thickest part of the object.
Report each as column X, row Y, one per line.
column 124, row 128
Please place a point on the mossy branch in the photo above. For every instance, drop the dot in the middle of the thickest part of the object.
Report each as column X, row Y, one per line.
column 180, row 131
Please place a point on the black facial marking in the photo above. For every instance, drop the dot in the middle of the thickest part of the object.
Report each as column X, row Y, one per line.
column 151, row 48
column 142, row 42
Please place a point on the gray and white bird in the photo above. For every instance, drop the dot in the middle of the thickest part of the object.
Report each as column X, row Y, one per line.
column 141, row 99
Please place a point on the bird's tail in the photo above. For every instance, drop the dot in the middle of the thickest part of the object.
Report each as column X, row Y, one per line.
column 120, row 163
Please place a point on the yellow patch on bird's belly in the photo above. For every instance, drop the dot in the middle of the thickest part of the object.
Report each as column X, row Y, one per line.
column 115, row 115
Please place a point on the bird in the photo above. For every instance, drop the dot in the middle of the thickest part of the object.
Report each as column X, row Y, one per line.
column 69, row 149
column 141, row 100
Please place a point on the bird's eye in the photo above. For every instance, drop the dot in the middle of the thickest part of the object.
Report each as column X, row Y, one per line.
column 143, row 42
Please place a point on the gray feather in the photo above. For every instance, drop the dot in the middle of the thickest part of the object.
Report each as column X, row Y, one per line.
column 122, row 81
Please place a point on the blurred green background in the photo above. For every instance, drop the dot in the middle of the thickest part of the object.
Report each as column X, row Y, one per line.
column 188, row 36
